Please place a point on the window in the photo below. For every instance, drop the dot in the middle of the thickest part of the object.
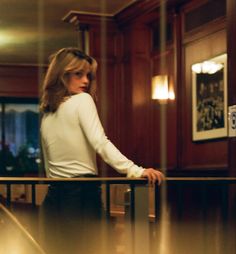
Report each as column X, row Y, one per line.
column 20, row 146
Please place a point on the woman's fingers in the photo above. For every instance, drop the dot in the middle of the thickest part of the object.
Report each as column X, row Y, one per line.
column 153, row 176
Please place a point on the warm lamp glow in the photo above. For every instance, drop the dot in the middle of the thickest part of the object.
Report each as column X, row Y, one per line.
column 5, row 38
column 171, row 94
column 160, row 87
column 160, row 90
column 209, row 67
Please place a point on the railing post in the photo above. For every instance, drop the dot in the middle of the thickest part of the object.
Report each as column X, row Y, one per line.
column 33, row 192
column 179, row 201
column 204, row 200
column 108, row 203
column 8, row 201
column 157, row 202
column 137, row 220
column 224, row 201
column 141, row 220
column 132, row 202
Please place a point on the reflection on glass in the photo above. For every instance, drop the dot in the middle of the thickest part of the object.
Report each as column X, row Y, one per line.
column 21, row 138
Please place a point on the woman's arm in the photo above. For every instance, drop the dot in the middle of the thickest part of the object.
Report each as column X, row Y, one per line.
column 92, row 128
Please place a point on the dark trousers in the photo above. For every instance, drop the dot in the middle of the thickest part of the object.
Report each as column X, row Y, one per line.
column 72, row 214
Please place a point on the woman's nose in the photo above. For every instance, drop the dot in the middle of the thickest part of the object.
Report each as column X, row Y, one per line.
column 85, row 79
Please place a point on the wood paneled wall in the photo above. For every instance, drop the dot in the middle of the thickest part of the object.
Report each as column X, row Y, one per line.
column 204, row 42
column 122, row 46
column 183, row 155
column 19, row 81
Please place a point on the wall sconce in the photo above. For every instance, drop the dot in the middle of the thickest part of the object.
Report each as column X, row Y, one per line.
column 161, row 90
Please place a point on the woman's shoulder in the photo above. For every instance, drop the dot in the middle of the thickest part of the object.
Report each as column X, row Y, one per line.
column 82, row 96
column 81, row 99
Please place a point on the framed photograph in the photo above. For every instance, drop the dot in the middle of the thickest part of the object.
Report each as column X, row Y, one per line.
column 209, row 98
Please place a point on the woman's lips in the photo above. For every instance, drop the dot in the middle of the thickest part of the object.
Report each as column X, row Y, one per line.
column 84, row 88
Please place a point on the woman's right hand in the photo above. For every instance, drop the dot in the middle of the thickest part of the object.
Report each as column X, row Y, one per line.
column 153, row 175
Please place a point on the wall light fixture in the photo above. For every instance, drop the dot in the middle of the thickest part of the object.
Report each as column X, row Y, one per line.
column 161, row 90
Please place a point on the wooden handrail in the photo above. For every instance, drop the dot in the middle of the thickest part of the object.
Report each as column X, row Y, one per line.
column 8, row 181
column 202, row 179
column 44, row 180
column 179, row 181
column 111, row 180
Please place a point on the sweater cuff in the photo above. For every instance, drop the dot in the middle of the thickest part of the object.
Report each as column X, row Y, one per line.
column 135, row 171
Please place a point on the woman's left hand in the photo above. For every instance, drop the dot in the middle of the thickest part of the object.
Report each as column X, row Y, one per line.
column 153, row 175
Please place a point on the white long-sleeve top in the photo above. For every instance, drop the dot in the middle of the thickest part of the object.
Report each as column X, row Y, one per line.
column 73, row 135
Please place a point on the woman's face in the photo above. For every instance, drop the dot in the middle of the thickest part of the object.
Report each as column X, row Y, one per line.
column 78, row 82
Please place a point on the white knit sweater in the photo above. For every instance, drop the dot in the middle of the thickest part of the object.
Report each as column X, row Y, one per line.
column 71, row 137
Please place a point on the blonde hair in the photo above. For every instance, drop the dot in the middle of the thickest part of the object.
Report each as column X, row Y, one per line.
column 55, row 85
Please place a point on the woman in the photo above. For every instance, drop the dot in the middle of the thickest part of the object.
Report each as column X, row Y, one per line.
column 71, row 129
column 72, row 134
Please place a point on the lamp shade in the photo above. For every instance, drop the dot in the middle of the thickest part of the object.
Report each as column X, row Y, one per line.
column 160, row 87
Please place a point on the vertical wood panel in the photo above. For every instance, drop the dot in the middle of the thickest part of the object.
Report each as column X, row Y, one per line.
column 137, row 84
column 171, row 117
column 210, row 154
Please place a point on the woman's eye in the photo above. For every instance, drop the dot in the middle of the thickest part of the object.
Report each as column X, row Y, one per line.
column 79, row 74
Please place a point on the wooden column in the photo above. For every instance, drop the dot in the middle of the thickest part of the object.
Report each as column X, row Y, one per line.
column 136, row 60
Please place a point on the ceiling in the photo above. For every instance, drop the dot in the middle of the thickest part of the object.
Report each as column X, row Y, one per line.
column 30, row 30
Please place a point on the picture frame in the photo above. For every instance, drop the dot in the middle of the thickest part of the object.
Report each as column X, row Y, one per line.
column 209, row 99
